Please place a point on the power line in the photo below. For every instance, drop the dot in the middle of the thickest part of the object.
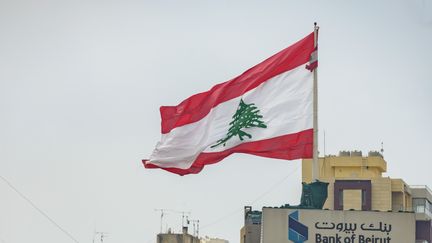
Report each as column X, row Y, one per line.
column 262, row 195
column 274, row 186
column 234, row 212
column 39, row 210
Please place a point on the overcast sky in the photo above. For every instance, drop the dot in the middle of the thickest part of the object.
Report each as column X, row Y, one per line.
column 81, row 83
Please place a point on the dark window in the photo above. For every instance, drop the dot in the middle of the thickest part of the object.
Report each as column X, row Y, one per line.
column 341, row 199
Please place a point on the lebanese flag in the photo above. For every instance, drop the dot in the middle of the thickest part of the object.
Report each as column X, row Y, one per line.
column 266, row 111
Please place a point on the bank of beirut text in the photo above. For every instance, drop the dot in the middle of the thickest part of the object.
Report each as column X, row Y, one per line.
column 319, row 238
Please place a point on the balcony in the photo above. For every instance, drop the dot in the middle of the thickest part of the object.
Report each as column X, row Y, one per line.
column 423, row 208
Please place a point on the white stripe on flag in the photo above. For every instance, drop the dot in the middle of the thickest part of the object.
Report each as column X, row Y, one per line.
column 284, row 101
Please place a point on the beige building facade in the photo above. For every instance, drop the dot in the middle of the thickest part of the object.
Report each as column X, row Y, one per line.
column 176, row 238
column 363, row 205
column 184, row 237
column 357, row 182
column 251, row 231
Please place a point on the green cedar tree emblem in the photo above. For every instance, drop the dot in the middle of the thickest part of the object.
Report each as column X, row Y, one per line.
column 246, row 116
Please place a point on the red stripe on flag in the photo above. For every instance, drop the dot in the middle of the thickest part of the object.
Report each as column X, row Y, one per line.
column 198, row 106
column 289, row 147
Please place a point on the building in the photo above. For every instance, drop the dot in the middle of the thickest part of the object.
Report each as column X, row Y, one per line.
column 184, row 237
column 357, row 183
column 422, row 198
column 251, row 231
column 358, row 194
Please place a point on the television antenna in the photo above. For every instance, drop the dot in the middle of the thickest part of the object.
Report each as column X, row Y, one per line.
column 102, row 235
column 164, row 211
column 195, row 224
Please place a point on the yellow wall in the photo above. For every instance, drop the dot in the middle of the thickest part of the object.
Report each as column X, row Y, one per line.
column 330, row 190
column 381, row 194
column 345, row 167
column 352, row 199
column 397, row 201
column 387, row 194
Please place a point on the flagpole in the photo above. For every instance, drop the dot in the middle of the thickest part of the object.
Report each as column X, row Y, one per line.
column 315, row 166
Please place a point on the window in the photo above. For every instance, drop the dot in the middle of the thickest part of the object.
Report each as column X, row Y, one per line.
column 419, row 205
column 422, row 205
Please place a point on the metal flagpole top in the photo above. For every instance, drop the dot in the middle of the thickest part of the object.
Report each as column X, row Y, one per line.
column 315, row 165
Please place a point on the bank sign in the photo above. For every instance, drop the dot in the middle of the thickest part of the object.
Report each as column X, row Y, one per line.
column 328, row 226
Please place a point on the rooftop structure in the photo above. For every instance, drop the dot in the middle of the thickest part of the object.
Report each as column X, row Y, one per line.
column 356, row 182
column 251, row 231
column 184, row 237
column 360, row 198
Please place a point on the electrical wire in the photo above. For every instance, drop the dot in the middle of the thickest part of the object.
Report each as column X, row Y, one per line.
column 262, row 195
column 39, row 210
column 274, row 186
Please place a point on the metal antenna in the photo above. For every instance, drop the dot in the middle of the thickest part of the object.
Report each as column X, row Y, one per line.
column 161, row 217
column 184, row 214
column 195, row 224
column 382, row 149
column 103, row 235
column 163, row 213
